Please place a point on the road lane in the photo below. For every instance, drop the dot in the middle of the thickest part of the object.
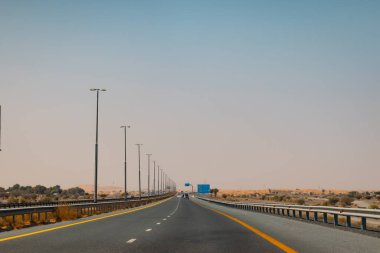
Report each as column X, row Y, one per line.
column 302, row 236
column 106, row 235
column 196, row 229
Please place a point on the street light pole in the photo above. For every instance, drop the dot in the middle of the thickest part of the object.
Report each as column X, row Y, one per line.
column 96, row 144
column 158, row 179
column 154, row 177
column 0, row 127
column 125, row 159
column 148, row 174
column 165, row 182
column 139, row 145
column 162, row 181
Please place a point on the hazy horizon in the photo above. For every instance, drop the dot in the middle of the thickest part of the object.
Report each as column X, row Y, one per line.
column 238, row 94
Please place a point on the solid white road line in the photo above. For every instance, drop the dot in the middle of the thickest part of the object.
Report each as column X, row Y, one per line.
column 175, row 210
column 149, row 229
column 131, row 240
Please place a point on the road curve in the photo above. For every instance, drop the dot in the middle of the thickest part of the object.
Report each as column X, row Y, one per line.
column 179, row 225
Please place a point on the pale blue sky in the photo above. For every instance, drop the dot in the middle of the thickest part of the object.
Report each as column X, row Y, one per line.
column 240, row 94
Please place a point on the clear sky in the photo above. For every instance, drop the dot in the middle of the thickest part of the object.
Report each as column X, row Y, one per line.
column 240, row 94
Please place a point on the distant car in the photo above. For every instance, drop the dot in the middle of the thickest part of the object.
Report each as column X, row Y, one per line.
column 186, row 196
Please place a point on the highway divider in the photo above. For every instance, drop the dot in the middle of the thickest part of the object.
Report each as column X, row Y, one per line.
column 338, row 216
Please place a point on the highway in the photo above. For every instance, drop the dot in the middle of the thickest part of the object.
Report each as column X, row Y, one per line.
column 180, row 225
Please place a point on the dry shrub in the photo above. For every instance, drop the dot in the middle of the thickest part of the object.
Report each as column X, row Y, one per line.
column 6, row 223
column 65, row 213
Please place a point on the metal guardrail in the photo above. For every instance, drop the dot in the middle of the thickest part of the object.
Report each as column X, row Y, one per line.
column 304, row 212
column 67, row 202
column 79, row 208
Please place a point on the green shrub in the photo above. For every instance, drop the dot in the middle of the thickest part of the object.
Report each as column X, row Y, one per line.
column 333, row 200
column 301, row 201
column 346, row 201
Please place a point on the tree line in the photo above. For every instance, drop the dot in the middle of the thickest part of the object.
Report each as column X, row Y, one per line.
column 18, row 190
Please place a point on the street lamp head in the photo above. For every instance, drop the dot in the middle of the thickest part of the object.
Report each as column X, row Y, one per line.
column 94, row 89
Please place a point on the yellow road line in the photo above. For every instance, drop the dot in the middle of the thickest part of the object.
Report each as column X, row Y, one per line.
column 81, row 222
column 270, row 239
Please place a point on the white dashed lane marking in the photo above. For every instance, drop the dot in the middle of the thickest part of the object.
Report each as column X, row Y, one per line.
column 158, row 223
column 131, row 240
column 149, row 229
column 164, row 219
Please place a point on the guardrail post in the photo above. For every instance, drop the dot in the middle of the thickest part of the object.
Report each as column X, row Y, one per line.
column 315, row 216
column 336, row 221
column 288, row 212
column 364, row 223
column 348, row 221
column 300, row 214
column 294, row 213
column 325, row 218
column 307, row 215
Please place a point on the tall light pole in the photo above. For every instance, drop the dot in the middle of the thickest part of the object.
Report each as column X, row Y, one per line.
column 158, row 179
column 154, row 177
column 162, row 181
column 165, row 182
column 0, row 127
column 148, row 174
column 139, row 145
column 96, row 144
column 125, row 159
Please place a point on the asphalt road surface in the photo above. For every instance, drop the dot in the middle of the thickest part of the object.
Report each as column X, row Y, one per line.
column 180, row 225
